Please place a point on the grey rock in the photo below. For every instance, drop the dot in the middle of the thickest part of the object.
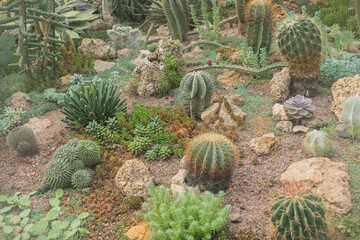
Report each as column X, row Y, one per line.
column 179, row 178
column 234, row 217
column 300, row 128
column 341, row 130
column 285, row 126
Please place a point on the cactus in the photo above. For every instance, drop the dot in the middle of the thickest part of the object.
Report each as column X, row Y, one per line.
column 81, row 179
column 101, row 134
column 89, row 153
column 23, row 140
column 259, row 31
column 351, row 116
column 357, row 10
column 298, row 214
column 67, row 153
column 196, row 89
column 77, row 165
column 299, row 41
column 7, row 42
column 58, row 174
column 73, row 143
column 317, row 144
column 177, row 14
column 211, row 154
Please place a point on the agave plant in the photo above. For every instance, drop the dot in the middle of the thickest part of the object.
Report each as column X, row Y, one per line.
column 96, row 102
column 299, row 107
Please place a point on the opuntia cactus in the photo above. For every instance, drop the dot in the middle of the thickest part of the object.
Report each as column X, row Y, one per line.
column 298, row 214
column 317, row 144
column 177, row 14
column 351, row 116
column 196, row 89
column 23, row 140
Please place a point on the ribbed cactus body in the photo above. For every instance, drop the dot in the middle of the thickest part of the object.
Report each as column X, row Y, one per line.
column 81, row 179
column 259, row 31
column 89, row 153
column 351, row 116
column 7, row 42
column 177, row 14
column 58, row 174
column 357, row 10
column 317, row 144
column 196, row 89
column 211, row 154
column 298, row 214
column 241, row 10
column 23, row 140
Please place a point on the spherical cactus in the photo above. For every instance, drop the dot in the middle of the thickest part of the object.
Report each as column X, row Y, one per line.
column 211, row 154
column 89, row 153
column 73, row 143
column 196, row 89
column 298, row 214
column 23, row 140
column 299, row 41
column 77, row 165
column 67, row 153
column 81, row 179
column 351, row 116
column 58, row 174
column 317, row 144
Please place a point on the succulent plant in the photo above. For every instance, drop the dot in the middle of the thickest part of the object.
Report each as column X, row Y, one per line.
column 113, row 125
column 101, row 134
column 298, row 214
column 317, row 144
column 155, row 126
column 81, row 179
column 23, row 140
column 177, row 15
column 164, row 153
column 58, row 174
column 139, row 145
column 77, row 165
column 350, row 114
column 211, row 154
column 96, row 102
column 7, row 42
column 73, row 143
column 299, row 107
column 89, row 153
column 357, row 10
column 67, row 153
column 124, row 37
column 151, row 155
column 141, row 131
column 196, row 89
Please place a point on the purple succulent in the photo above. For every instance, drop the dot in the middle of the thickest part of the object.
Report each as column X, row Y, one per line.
column 299, row 107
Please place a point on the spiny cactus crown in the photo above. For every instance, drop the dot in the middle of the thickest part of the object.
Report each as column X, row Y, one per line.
column 317, row 144
column 23, row 140
column 81, row 179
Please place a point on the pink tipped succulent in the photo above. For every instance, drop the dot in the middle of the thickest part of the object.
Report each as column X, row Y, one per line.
column 299, row 107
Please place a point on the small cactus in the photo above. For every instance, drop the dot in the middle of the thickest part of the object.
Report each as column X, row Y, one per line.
column 317, row 144
column 89, row 153
column 23, row 140
column 58, row 174
column 81, row 179
column 351, row 116
column 177, row 14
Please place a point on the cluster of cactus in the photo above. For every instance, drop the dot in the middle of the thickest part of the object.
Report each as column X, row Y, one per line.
column 139, row 145
column 7, row 42
column 259, row 30
column 10, row 119
column 177, row 15
column 23, row 140
column 158, row 151
column 298, row 214
column 124, row 37
column 102, row 134
column 196, row 89
column 317, row 144
column 69, row 160
column 350, row 115
column 299, row 107
column 299, row 40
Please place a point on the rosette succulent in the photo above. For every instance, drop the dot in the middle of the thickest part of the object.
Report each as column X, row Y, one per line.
column 299, row 107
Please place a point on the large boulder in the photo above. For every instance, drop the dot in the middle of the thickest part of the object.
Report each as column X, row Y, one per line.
column 149, row 73
column 101, row 66
column 342, row 90
column 132, row 177
column 230, row 77
column 19, row 100
column 328, row 180
column 265, row 144
column 99, row 47
column 279, row 85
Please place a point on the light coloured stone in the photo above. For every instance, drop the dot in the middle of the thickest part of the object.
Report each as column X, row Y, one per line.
column 237, row 99
column 341, row 130
column 179, row 178
column 195, row 52
column 143, row 54
column 279, row 112
column 124, row 53
column 354, row 47
column 183, row 162
column 230, row 77
column 300, row 128
column 210, row 113
column 163, row 30
column 179, row 190
column 265, row 144
column 285, row 126
column 225, row 115
column 101, row 66
column 38, row 125
column 19, row 100
column 65, row 80
column 99, row 47
column 139, row 232
column 279, row 85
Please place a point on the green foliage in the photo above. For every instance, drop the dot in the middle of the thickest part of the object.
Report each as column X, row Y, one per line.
column 76, row 62
column 177, row 15
column 23, row 140
column 102, row 135
column 350, row 115
column 250, row 59
column 162, row 84
column 196, row 89
column 193, row 216
column 171, row 65
column 342, row 39
column 133, row 202
column 97, row 102
column 152, row 47
column 317, row 144
column 89, row 153
column 298, row 214
column 357, row 10
column 81, row 179
column 10, row 119
column 7, row 42
column 51, row 95
column 349, row 225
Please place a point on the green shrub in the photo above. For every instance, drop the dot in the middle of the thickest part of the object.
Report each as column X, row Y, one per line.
column 10, row 119
column 51, row 95
column 349, row 225
column 152, row 47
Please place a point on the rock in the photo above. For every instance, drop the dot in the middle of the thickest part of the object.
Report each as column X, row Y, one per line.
column 150, row 90
column 143, row 54
column 279, row 112
column 183, row 162
column 341, row 130
column 124, row 53
column 132, row 177
column 38, row 125
column 101, row 66
column 278, row 13
column 315, row 122
column 320, row 2
column 179, row 189
column 300, row 128
column 285, row 126
column 99, row 47
column 329, row 181
column 234, row 217
column 163, row 30
column 279, row 85
column 139, row 232
column 225, row 115
column 149, row 73
column 65, row 80
column 265, row 144
column 179, row 178
column 235, row 57
column 230, row 77
column 237, row 99
column 19, row 100
column 194, row 53
column 342, row 90
column 354, row 47
column 210, row 113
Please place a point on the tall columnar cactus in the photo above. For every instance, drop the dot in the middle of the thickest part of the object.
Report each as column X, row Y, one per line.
column 211, row 154
column 299, row 41
column 177, row 14
column 259, row 31
column 196, row 89
column 357, row 10
column 298, row 214
column 7, row 42
column 351, row 116
column 23, row 140
column 317, row 144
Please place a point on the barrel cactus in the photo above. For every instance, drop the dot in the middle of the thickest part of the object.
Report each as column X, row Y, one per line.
column 23, row 140
column 299, row 41
column 58, row 174
column 350, row 115
column 299, row 107
column 259, row 31
column 317, row 144
column 81, row 179
column 196, row 89
column 89, row 153
column 177, row 15
column 298, row 214
column 67, row 153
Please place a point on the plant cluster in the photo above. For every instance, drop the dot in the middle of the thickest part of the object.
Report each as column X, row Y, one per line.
column 23, row 140
column 171, row 65
column 350, row 115
column 349, row 225
column 124, row 37
column 75, row 62
column 177, row 15
column 341, row 39
column 250, row 59
column 10, row 119
column 51, row 95
column 299, row 107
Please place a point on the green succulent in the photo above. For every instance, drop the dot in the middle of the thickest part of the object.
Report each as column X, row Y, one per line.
column 67, row 153
column 151, row 155
column 155, row 126
column 23, row 140
column 73, row 143
column 177, row 15
column 7, row 42
column 141, row 131
column 102, row 135
column 164, row 153
column 81, row 179
column 317, row 144
column 350, row 115
column 58, row 174
column 89, row 153
column 113, row 125
column 77, row 165
column 139, row 145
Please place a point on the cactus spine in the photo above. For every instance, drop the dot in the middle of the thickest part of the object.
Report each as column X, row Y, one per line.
column 317, row 144
column 23, row 140
column 259, row 31
column 351, row 116
column 177, row 14
column 196, row 89
column 298, row 214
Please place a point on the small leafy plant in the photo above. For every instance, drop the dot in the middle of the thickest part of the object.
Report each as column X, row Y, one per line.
column 349, row 225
